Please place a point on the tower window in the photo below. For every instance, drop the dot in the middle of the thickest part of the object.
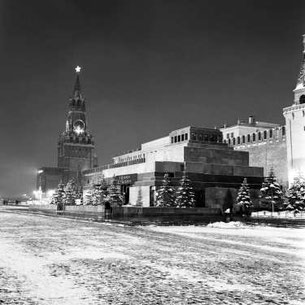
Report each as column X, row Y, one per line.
column 253, row 137
column 238, row 140
column 292, row 115
column 283, row 131
column 248, row 138
column 186, row 136
column 234, row 141
column 244, row 139
column 303, row 112
column 302, row 99
column 265, row 134
column 182, row 137
column 270, row 133
column 259, row 136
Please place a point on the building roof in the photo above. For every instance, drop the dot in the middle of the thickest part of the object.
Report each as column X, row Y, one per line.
column 252, row 123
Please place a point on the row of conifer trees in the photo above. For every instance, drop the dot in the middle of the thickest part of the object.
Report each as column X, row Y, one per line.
column 168, row 196
column 100, row 193
column 97, row 194
column 272, row 196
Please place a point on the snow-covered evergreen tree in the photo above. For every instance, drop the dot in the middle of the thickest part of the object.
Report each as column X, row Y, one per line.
column 104, row 190
column 97, row 194
column 243, row 200
column 296, row 196
column 166, row 193
column 115, row 196
column 88, row 195
column 59, row 196
column 71, row 192
column 271, row 195
column 185, row 197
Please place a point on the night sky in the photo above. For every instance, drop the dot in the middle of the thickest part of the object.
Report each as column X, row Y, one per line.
column 149, row 67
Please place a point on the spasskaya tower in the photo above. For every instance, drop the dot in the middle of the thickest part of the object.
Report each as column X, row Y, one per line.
column 76, row 144
column 75, row 147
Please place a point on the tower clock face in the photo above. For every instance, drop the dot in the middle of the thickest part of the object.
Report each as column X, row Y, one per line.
column 79, row 126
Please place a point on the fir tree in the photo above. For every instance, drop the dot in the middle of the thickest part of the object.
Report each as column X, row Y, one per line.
column 243, row 200
column 71, row 192
column 166, row 194
column 271, row 193
column 185, row 197
column 97, row 194
column 115, row 197
column 296, row 196
column 59, row 196
column 88, row 195
column 104, row 190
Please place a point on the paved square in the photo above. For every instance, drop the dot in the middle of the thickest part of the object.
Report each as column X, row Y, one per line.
column 47, row 260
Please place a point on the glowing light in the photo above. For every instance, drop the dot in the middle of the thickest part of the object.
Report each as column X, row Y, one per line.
column 50, row 193
column 295, row 174
column 40, row 171
column 38, row 194
column 77, row 69
column 78, row 130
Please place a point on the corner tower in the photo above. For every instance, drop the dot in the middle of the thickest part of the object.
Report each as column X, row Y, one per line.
column 76, row 144
column 295, row 126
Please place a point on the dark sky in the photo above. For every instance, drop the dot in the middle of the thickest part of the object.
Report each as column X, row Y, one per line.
column 149, row 66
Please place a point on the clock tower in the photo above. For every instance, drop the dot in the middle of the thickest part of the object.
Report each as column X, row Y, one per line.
column 76, row 144
column 295, row 126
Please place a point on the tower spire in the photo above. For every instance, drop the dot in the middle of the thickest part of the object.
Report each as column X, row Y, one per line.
column 77, row 88
column 301, row 77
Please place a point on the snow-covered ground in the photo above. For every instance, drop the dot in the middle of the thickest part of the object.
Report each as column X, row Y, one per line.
column 47, row 260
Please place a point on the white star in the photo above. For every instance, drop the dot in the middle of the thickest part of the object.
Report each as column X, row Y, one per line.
column 77, row 69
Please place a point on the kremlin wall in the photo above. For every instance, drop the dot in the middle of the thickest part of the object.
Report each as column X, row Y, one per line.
column 216, row 160
column 265, row 142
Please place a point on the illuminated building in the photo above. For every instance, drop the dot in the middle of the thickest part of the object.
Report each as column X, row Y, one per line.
column 75, row 145
column 215, row 169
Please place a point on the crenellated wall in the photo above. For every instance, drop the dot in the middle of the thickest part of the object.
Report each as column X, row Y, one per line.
column 267, row 149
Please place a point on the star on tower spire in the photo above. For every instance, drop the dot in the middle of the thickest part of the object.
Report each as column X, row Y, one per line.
column 77, row 89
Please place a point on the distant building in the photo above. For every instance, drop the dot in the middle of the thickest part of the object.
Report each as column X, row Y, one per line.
column 215, row 169
column 75, row 148
column 281, row 147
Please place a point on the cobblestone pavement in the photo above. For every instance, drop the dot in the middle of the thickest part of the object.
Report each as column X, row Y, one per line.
column 47, row 260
